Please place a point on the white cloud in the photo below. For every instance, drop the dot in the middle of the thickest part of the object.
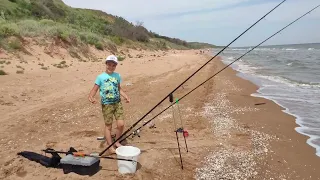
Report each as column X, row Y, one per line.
column 239, row 16
column 213, row 20
column 140, row 9
column 220, row 27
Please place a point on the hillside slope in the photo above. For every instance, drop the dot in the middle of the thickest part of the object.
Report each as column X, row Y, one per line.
column 52, row 19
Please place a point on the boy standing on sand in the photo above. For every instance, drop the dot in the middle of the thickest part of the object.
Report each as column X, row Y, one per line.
column 108, row 83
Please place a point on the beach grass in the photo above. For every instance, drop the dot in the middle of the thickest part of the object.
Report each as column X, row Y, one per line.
column 52, row 19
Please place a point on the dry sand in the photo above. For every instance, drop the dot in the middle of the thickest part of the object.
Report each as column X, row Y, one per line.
column 230, row 137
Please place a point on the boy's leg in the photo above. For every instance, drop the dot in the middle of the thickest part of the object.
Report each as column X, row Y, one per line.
column 120, row 127
column 107, row 134
column 120, row 122
column 107, row 111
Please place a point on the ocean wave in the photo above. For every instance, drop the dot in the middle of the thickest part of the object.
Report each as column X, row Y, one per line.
column 289, row 49
column 288, row 98
column 279, row 48
column 241, row 66
column 291, row 83
column 239, row 49
column 266, row 49
column 246, row 68
column 296, row 64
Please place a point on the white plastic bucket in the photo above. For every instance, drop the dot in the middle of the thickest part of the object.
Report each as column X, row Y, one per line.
column 127, row 152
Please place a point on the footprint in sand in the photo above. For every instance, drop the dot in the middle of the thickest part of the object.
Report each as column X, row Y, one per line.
column 12, row 167
column 21, row 172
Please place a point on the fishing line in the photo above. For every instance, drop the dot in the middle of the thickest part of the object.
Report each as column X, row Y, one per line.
column 225, row 68
column 132, row 126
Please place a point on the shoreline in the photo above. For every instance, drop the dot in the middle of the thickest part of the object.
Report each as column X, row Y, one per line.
column 253, row 79
column 292, row 146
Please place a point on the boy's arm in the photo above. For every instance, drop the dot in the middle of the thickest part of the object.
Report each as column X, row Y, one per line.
column 123, row 93
column 93, row 93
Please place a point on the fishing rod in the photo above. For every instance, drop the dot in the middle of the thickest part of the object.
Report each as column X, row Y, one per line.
column 132, row 126
column 82, row 154
column 223, row 69
column 180, row 129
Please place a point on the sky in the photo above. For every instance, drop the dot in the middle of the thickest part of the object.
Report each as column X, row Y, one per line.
column 218, row 22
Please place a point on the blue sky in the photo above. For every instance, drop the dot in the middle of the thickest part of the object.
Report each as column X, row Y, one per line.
column 217, row 21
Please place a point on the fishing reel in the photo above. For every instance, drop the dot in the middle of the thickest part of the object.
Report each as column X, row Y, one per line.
column 136, row 133
column 54, row 161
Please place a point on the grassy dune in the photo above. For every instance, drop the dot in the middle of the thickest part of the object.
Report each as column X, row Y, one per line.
column 44, row 20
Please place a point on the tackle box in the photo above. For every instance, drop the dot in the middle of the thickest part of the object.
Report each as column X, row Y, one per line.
column 80, row 165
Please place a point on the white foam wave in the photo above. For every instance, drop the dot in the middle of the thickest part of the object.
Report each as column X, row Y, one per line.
column 289, row 49
column 265, row 49
column 288, row 98
column 246, row 68
column 270, row 49
column 241, row 66
column 311, row 138
column 287, row 82
column 240, row 49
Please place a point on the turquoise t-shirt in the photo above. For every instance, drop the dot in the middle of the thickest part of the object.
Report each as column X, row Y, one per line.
column 109, row 91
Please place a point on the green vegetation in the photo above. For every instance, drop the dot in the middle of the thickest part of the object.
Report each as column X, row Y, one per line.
column 5, row 62
column 121, row 58
column 2, row 72
column 62, row 64
column 74, row 27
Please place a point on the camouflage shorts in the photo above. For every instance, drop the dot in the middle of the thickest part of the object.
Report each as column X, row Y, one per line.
column 110, row 110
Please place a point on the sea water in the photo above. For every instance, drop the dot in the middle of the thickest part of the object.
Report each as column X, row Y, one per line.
column 290, row 76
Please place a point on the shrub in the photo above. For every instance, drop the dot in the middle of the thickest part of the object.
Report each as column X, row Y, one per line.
column 92, row 39
column 15, row 44
column 31, row 28
column 45, row 9
column 122, row 28
column 116, row 39
column 2, row 72
column 63, row 34
column 99, row 45
column 121, row 58
column 47, row 22
column 9, row 29
column 89, row 38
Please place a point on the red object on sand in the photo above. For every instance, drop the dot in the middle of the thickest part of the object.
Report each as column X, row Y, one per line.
column 185, row 133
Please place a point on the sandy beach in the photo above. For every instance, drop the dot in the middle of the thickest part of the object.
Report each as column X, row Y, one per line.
column 232, row 135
